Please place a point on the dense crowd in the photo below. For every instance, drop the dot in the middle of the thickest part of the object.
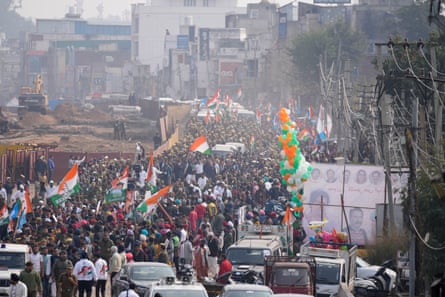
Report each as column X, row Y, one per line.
column 197, row 217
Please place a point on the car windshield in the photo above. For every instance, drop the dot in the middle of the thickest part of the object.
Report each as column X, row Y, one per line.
column 12, row 260
column 328, row 273
column 141, row 273
column 180, row 293
column 291, row 277
column 249, row 293
column 246, row 256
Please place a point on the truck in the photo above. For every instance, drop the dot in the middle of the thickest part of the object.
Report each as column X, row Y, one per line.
column 33, row 99
column 255, row 242
column 335, row 267
column 290, row 274
column 12, row 260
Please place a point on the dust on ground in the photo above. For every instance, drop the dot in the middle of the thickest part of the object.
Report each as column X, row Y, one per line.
column 72, row 128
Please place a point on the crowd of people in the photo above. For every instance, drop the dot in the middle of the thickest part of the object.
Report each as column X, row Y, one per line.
column 194, row 223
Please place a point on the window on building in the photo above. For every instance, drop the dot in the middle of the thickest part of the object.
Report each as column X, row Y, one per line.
column 252, row 68
column 189, row 2
column 253, row 13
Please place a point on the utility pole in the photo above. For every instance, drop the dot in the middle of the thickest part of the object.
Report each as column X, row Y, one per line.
column 383, row 106
column 437, row 104
column 411, row 137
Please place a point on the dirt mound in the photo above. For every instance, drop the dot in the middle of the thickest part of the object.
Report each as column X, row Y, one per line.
column 35, row 119
column 72, row 113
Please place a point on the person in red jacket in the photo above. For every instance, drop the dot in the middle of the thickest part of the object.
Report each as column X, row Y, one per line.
column 224, row 267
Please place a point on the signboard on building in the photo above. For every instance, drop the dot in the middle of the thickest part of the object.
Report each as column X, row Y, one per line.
column 228, row 73
column 182, row 42
column 363, row 187
column 204, row 50
column 332, row 1
column 282, row 26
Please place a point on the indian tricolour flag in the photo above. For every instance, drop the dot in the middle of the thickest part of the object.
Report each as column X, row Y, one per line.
column 213, row 102
column 304, row 134
column 150, row 203
column 67, row 187
column 201, row 145
column 4, row 215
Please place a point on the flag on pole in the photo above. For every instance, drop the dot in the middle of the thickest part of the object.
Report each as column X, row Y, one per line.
column 310, row 112
column 288, row 218
column 321, row 123
column 200, row 145
column 150, row 202
column 207, row 119
column 121, row 179
column 4, row 215
column 252, row 142
column 213, row 102
column 239, row 93
column 150, row 167
column 67, row 187
column 304, row 134
column 27, row 205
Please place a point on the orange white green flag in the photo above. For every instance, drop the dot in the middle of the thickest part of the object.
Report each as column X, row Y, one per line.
column 150, row 203
column 200, row 145
column 68, row 186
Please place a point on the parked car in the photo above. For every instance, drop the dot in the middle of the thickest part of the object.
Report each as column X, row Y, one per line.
column 143, row 274
column 246, row 290
column 171, row 288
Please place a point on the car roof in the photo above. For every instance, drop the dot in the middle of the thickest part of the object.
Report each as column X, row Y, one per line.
column 291, row 295
column 149, row 264
column 249, row 287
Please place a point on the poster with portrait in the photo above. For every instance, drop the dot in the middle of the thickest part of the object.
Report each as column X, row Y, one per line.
column 362, row 187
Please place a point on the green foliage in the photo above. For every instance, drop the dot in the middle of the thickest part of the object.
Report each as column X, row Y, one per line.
column 326, row 44
column 409, row 21
column 430, row 218
column 386, row 248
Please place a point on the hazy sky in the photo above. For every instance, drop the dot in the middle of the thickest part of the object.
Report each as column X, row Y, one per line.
column 57, row 8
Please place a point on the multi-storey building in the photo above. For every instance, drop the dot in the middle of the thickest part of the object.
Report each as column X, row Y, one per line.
column 78, row 57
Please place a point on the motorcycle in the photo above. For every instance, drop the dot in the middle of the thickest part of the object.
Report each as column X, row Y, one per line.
column 378, row 285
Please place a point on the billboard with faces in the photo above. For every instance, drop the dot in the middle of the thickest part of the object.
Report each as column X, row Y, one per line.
column 362, row 187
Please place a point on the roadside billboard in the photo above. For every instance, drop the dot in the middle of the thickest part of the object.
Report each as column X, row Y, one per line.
column 363, row 188
column 229, row 72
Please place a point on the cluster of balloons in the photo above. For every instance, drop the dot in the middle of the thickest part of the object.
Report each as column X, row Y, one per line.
column 294, row 168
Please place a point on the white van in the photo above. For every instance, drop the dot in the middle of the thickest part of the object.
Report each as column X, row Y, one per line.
column 12, row 260
column 240, row 146
column 222, row 150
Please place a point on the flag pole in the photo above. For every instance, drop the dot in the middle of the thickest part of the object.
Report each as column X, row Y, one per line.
column 166, row 213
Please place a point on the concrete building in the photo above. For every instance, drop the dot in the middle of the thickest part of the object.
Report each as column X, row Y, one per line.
column 78, row 57
column 154, row 21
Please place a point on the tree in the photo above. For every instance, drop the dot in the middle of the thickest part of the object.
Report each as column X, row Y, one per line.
column 335, row 43
column 10, row 21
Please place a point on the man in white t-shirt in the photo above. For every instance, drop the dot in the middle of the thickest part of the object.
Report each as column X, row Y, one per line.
column 37, row 260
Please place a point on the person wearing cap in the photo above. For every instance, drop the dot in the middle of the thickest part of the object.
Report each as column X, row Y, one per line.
column 86, row 275
column 32, row 280
column 17, row 195
column 115, row 263
column 16, row 287
column 59, row 266
column 51, row 189
column 67, row 283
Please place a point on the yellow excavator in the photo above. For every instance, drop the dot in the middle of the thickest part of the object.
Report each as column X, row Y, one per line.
column 33, row 99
